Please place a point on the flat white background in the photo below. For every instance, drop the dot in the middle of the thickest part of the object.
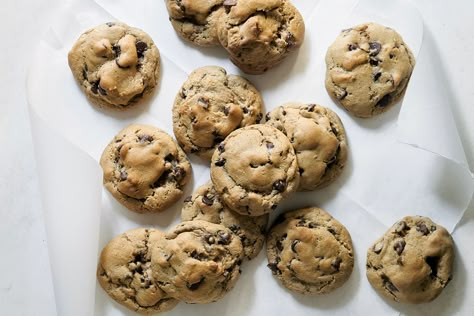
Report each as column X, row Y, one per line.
column 25, row 281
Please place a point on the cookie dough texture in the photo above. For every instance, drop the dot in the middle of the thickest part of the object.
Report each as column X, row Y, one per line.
column 412, row 262
column 319, row 140
column 115, row 64
column 197, row 262
column 124, row 272
column 145, row 169
column 210, row 105
column 196, row 20
column 205, row 204
column 368, row 69
column 259, row 34
column 254, row 169
column 310, row 252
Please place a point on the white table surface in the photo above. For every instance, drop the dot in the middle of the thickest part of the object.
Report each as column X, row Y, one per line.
column 25, row 278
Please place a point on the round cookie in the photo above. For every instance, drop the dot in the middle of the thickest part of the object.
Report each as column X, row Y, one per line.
column 197, row 262
column 115, row 64
column 254, row 169
column 368, row 69
column 205, row 204
column 210, row 105
column 258, row 35
column 145, row 169
column 124, row 272
column 412, row 262
column 196, row 20
column 309, row 251
column 319, row 140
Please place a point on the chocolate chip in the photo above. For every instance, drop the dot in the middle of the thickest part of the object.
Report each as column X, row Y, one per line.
column 220, row 162
column 245, row 110
column 312, row 225
column 399, row 246
column 267, row 116
column 401, row 226
column 208, row 201
column 332, row 231
column 374, row 62
column 388, row 284
column 301, row 223
column 223, row 238
column 274, row 267
column 377, row 76
column 386, row 99
column 204, row 102
column 279, row 185
column 188, row 199
column 230, row 2
column 311, row 107
column 270, row 145
column 283, row 112
column 290, row 40
column 226, row 110
column 141, row 48
column 293, row 245
column 421, row 227
column 183, row 93
column 110, row 24
column 209, row 239
column 352, row 47
column 234, row 228
column 375, row 48
column 391, row 56
column 341, row 96
column 378, row 247
column 221, row 147
column 336, row 263
column 123, row 175
column 145, row 138
column 95, row 87
column 117, row 50
column 179, row 173
column 195, row 286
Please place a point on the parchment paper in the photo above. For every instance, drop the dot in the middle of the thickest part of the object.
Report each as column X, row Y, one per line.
column 405, row 162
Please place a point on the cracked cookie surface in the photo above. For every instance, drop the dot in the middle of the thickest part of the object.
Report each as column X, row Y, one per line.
column 210, row 105
column 309, row 251
column 368, row 69
column 205, row 204
column 144, row 169
column 124, row 272
column 197, row 261
column 254, row 169
column 115, row 64
column 412, row 262
column 196, row 20
column 258, row 35
column 319, row 140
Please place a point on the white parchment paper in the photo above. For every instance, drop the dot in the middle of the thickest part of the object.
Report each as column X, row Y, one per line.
column 405, row 162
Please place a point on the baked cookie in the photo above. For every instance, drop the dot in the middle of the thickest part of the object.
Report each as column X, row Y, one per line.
column 412, row 262
column 368, row 69
column 319, row 140
column 258, row 35
column 210, row 105
column 197, row 262
column 196, row 20
column 145, row 169
column 309, row 251
column 124, row 272
column 205, row 204
column 254, row 169
column 115, row 64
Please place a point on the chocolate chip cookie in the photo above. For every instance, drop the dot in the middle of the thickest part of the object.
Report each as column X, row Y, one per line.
column 368, row 69
column 412, row 262
column 258, row 35
column 196, row 20
column 115, row 64
column 254, row 169
column 197, row 262
column 319, row 140
column 210, row 105
column 309, row 251
column 145, row 169
column 205, row 204
column 124, row 272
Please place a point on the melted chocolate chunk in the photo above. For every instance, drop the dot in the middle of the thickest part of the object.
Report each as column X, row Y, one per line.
column 220, row 162
column 377, row 76
column 221, row 147
column 311, row 107
column 421, row 227
column 209, row 239
column 274, row 267
column 375, row 48
column 117, row 50
column 234, row 228
column 279, row 185
column 204, row 102
column 270, row 146
column 374, row 62
column 223, row 238
column 208, row 201
column 267, row 116
column 188, row 199
column 336, row 263
column 399, row 246
column 352, row 47
column 141, row 48
column 378, row 247
column 179, row 173
column 341, row 96
column 145, row 138
column 293, row 245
